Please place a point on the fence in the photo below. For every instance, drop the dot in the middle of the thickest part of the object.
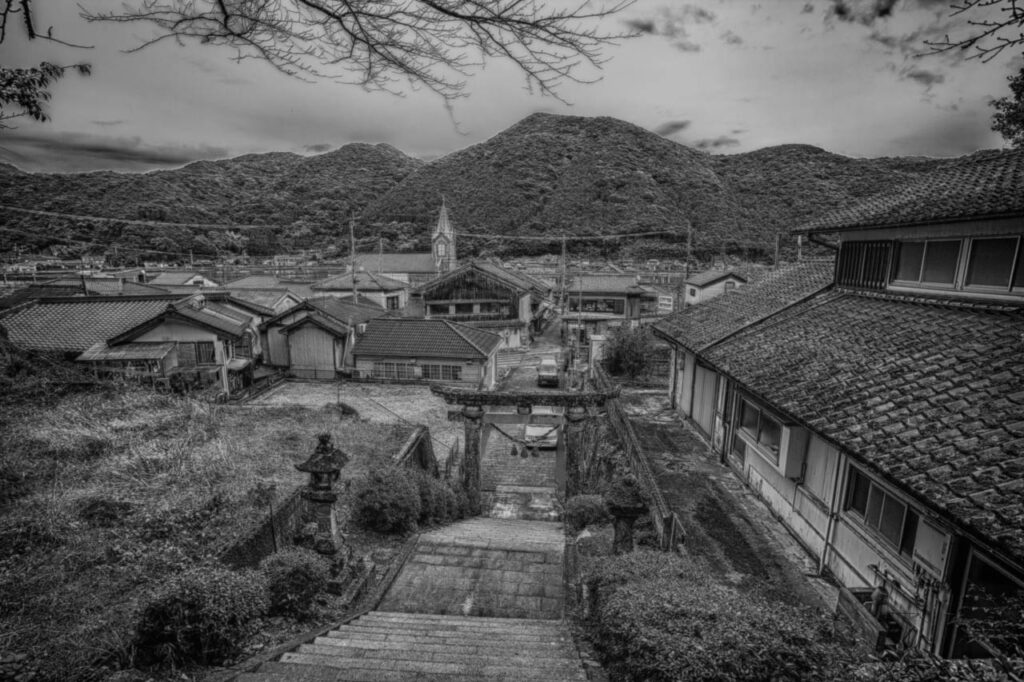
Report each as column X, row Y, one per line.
column 666, row 521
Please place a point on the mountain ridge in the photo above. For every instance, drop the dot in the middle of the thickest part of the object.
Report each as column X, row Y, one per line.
column 547, row 175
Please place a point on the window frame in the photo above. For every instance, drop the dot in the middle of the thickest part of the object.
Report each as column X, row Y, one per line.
column 1014, row 286
column 957, row 274
column 1016, row 265
column 752, row 439
column 909, row 520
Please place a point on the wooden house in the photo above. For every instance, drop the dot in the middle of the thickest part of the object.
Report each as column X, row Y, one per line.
column 390, row 294
column 487, row 296
column 880, row 412
column 597, row 303
column 415, row 350
column 708, row 284
column 312, row 340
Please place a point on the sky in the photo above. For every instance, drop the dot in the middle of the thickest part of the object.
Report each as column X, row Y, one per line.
column 725, row 76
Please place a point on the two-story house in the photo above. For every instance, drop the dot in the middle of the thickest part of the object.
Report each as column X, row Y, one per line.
column 882, row 417
column 487, row 296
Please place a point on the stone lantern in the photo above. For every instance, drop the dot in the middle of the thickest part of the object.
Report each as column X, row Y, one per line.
column 626, row 505
column 324, row 468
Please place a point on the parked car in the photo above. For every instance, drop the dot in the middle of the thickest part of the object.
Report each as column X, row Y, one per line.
column 547, row 372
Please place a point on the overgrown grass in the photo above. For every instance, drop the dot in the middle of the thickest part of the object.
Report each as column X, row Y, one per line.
column 105, row 495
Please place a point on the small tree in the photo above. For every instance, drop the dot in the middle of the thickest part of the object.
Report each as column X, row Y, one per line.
column 628, row 351
column 1008, row 120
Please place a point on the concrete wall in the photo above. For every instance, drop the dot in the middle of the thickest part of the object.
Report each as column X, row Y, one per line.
column 709, row 292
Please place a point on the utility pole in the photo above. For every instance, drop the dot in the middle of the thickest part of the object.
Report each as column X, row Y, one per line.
column 352, row 256
column 689, row 250
column 380, row 255
column 799, row 248
column 778, row 244
column 562, row 292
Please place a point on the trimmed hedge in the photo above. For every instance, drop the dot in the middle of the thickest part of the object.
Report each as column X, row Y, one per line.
column 656, row 616
column 201, row 616
column 395, row 500
column 294, row 577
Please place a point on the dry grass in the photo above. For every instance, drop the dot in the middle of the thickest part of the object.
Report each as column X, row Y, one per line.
column 104, row 495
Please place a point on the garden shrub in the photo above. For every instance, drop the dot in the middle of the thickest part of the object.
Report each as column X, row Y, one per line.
column 585, row 510
column 294, row 577
column 201, row 616
column 656, row 616
column 387, row 500
column 628, row 351
column 438, row 502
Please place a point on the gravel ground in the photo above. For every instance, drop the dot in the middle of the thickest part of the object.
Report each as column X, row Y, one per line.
column 382, row 403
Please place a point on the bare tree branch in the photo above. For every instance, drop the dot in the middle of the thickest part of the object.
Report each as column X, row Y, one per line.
column 993, row 26
column 381, row 43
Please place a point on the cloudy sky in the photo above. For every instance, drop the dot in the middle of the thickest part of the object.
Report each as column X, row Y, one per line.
column 727, row 76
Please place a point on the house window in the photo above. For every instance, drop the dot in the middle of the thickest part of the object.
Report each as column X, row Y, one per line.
column 693, row 292
column 991, row 262
column 391, row 302
column 442, row 372
column 442, row 249
column 929, row 262
column 881, row 512
column 729, row 286
column 865, row 264
column 759, row 428
column 393, row 370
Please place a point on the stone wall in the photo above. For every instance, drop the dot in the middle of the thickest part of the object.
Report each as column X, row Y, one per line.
column 273, row 533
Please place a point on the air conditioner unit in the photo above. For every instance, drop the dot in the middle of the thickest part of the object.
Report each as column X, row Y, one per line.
column 931, row 549
column 792, row 448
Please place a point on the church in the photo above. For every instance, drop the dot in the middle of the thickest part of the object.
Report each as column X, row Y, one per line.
column 417, row 268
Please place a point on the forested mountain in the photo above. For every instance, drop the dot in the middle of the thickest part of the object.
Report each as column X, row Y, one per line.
column 546, row 175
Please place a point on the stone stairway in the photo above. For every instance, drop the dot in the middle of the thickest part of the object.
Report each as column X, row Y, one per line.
column 514, row 486
column 484, row 567
column 478, row 600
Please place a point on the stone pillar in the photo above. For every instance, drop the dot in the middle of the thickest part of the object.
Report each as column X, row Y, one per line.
column 473, row 420
column 575, row 418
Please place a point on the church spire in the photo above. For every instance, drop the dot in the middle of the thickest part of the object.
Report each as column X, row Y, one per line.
column 444, row 241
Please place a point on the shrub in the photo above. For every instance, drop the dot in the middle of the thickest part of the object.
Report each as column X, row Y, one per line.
column 584, row 510
column 387, row 500
column 657, row 616
column 294, row 577
column 628, row 351
column 200, row 616
column 438, row 502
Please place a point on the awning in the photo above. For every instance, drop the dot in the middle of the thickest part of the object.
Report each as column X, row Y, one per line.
column 126, row 351
column 238, row 364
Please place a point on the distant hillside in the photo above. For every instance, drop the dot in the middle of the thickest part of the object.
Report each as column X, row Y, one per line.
column 546, row 175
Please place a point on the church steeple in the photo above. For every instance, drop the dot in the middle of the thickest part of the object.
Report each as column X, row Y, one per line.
column 443, row 241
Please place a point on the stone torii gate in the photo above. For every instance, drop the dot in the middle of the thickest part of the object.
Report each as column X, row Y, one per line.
column 473, row 402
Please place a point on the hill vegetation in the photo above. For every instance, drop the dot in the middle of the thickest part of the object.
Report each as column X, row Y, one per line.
column 547, row 175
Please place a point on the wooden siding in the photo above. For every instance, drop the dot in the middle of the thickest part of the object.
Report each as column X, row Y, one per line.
column 312, row 353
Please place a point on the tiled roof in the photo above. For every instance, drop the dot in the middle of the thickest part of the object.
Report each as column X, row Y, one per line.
column 213, row 315
column 75, row 324
column 416, row 337
column 17, row 297
column 515, row 280
column 707, row 277
column 397, row 262
column 344, row 310
column 318, row 319
column 698, row 326
column 173, row 278
column 365, row 281
column 931, row 393
column 985, row 185
column 299, row 289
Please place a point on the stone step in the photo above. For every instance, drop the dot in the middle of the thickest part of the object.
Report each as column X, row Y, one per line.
column 369, row 672
column 561, row 671
column 523, row 503
column 476, row 621
column 435, row 652
column 356, row 641
column 377, row 630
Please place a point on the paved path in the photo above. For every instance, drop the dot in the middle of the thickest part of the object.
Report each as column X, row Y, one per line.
column 726, row 524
